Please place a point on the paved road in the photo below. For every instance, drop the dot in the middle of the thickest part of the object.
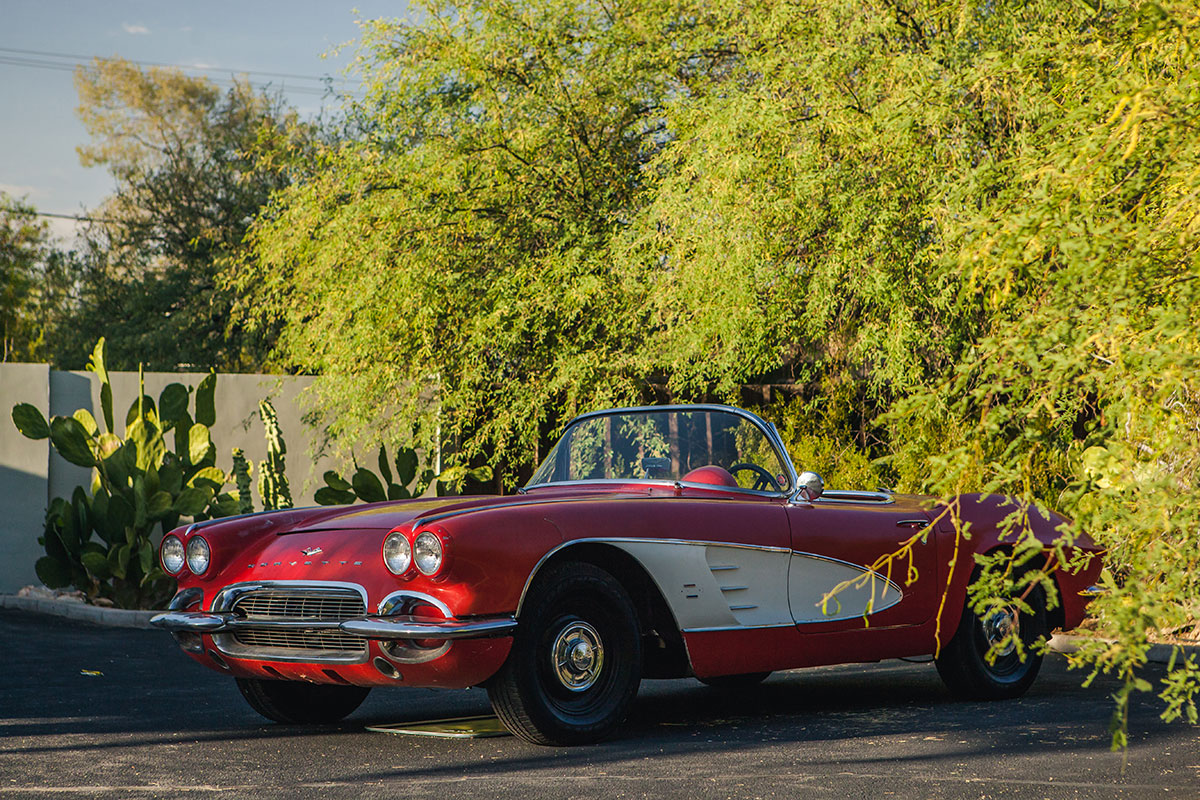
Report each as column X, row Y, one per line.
column 157, row 725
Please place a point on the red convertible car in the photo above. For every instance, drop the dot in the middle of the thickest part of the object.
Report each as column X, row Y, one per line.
column 652, row 542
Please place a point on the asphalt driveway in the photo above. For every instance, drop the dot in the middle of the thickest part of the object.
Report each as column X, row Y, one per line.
column 153, row 724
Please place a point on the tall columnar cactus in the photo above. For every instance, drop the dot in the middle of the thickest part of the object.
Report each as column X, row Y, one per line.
column 272, row 478
column 241, row 477
column 104, row 542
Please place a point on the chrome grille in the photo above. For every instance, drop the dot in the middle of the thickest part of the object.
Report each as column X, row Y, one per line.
column 297, row 604
column 331, row 604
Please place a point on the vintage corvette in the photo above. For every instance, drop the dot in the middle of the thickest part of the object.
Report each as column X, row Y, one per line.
column 652, row 542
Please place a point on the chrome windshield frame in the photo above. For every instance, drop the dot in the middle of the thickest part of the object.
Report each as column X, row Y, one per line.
column 768, row 430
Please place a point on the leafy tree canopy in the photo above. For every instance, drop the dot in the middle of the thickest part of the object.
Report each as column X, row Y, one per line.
column 963, row 234
column 193, row 165
column 35, row 287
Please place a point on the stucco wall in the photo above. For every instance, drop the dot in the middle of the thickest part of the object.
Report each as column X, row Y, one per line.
column 31, row 473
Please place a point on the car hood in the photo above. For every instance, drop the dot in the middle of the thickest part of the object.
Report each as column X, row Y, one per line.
column 372, row 516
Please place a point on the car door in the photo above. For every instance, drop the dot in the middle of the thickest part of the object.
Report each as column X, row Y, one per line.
column 840, row 577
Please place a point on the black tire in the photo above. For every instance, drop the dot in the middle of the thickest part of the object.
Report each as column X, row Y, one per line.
column 297, row 703
column 963, row 663
column 746, row 680
column 576, row 659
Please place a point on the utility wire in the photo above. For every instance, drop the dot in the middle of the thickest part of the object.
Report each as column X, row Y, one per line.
column 41, row 59
column 77, row 217
column 77, row 57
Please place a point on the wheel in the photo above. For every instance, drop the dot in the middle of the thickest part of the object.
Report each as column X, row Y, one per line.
column 575, row 662
column 744, row 681
column 963, row 663
column 763, row 479
column 296, row 703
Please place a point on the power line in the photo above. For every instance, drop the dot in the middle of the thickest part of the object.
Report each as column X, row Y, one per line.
column 45, row 62
column 77, row 217
column 80, row 58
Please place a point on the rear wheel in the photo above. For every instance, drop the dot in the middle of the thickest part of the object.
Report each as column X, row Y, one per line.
column 576, row 659
column 297, row 703
column 963, row 663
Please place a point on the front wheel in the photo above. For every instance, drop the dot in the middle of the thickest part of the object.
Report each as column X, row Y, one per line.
column 964, row 665
column 575, row 662
column 297, row 703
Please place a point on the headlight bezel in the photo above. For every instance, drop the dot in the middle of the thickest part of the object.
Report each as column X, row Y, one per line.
column 435, row 546
column 397, row 536
column 171, row 541
column 197, row 548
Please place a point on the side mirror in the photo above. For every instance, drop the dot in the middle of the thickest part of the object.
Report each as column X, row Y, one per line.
column 811, row 485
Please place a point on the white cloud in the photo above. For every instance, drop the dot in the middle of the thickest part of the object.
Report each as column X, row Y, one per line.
column 135, row 30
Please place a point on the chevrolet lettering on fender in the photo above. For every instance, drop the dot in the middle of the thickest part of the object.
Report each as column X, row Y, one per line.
column 664, row 542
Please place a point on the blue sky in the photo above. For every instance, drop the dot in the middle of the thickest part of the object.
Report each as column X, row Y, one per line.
column 41, row 39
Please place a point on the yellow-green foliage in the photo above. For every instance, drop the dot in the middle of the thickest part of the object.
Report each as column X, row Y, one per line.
column 966, row 233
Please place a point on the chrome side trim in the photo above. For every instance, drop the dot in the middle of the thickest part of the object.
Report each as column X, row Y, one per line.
column 611, row 539
column 833, row 560
column 736, row 628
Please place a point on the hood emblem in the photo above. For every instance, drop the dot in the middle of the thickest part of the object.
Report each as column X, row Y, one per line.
column 311, row 551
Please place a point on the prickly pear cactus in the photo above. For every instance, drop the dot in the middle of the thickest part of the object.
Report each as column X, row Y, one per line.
column 104, row 542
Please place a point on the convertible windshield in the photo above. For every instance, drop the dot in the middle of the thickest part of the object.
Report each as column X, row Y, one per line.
column 688, row 444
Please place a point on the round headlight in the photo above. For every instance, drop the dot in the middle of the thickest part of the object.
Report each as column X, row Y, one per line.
column 172, row 554
column 427, row 552
column 397, row 553
column 198, row 555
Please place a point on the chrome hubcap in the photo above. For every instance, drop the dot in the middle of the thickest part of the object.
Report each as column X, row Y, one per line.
column 998, row 625
column 578, row 656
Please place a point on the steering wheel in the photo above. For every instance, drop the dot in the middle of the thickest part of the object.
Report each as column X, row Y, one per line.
column 763, row 480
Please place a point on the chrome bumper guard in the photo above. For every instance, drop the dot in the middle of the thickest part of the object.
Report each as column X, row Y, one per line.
column 379, row 628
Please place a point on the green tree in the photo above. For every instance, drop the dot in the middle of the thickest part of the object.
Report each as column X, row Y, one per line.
column 32, row 281
column 193, row 165
column 964, row 233
column 452, row 265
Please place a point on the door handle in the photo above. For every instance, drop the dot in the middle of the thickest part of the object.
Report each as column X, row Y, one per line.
column 915, row 523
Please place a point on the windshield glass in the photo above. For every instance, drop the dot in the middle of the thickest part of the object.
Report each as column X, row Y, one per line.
column 692, row 445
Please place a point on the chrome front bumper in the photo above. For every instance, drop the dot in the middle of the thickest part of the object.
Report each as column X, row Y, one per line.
column 390, row 627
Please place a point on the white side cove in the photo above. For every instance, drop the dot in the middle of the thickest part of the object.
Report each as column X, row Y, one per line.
column 862, row 593
column 728, row 586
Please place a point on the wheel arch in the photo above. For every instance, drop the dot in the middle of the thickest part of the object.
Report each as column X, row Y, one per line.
column 664, row 651
column 956, row 603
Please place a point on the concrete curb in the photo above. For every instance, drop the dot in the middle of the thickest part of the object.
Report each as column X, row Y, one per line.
column 1066, row 644
column 108, row 617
